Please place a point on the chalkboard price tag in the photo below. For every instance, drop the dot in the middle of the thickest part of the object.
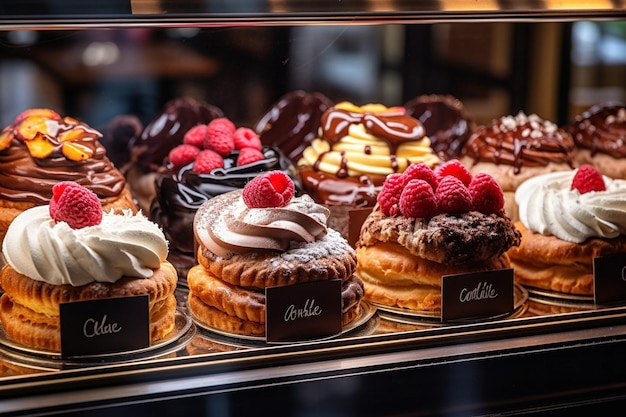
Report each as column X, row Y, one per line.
column 609, row 279
column 104, row 326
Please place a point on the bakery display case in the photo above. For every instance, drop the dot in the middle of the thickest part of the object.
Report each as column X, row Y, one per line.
column 548, row 355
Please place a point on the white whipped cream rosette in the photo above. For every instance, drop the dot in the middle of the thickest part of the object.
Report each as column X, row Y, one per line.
column 548, row 205
column 121, row 245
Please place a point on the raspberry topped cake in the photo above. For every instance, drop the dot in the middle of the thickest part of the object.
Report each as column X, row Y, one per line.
column 213, row 159
column 428, row 223
column 262, row 236
column 70, row 250
column 566, row 220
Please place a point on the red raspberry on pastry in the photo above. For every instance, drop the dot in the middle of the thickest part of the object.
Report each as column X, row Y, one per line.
column 586, row 179
column 183, row 154
column 207, row 161
column 389, row 195
column 272, row 189
column 452, row 196
column 220, row 136
column 74, row 204
column 418, row 200
column 248, row 155
column 196, row 136
column 246, row 138
column 455, row 168
column 421, row 171
column 487, row 195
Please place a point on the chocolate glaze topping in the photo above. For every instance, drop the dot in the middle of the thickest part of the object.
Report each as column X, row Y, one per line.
column 179, row 193
column 28, row 179
column 520, row 141
column 292, row 122
column 602, row 129
column 167, row 130
column 446, row 122
column 334, row 190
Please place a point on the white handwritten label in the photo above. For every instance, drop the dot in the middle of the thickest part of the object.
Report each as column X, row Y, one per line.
column 477, row 295
column 303, row 311
column 104, row 326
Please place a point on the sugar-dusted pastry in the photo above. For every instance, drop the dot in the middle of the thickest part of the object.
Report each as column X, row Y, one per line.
column 567, row 219
column 515, row 148
column 213, row 159
column 71, row 250
column 41, row 148
column 428, row 224
column 345, row 166
column 448, row 125
column 600, row 137
column 259, row 237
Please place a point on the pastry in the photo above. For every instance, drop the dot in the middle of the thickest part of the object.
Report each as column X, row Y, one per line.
column 215, row 158
column 259, row 237
column 165, row 132
column 600, row 137
column 41, row 148
column 72, row 251
column 447, row 123
column 357, row 147
column 292, row 122
column 515, row 148
column 427, row 224
column 567, row 219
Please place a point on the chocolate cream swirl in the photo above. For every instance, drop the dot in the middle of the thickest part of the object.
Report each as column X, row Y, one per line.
column 231, row 227
column 519, row 141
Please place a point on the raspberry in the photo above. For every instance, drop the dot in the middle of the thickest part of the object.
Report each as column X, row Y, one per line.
column 487, row 196
column 389, row 195
column 271, row 189
column 207, row 161
column 248, row 156
column 183, row 155
column 452, row 196
column 586, row 179
column 455, row 168
column 418, row 200
column 220, row 136
column 421, row 171
column 74, row 204
column 246, row 138
column 196, row 136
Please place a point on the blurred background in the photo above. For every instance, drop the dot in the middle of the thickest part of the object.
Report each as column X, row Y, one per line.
column 553, row 69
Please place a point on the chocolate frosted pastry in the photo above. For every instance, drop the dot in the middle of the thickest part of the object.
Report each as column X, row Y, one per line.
column 357, row 147
column 180, row 191
column 262, row 237
column 166, row 131
column 117, row 135
column 447, row 123
column 515, row 148
column 41, row 148
column 600, row 136
column 429, row 224
column 292, row 122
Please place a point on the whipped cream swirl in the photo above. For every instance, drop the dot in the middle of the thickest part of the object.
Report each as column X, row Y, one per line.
column 548, row 206
column 228, row 226
column 121, row 245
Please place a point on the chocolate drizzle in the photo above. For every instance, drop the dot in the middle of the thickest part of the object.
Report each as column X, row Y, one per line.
column 602, row 128
column 521, row 141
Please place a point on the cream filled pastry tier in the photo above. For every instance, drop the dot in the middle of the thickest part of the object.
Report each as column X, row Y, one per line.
column 244, row 249
column 50, row 262
column 41, row 148
column 440, row 226
column 600, row 137
column 356, row 148
column 563, row 229
column 515, row 148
